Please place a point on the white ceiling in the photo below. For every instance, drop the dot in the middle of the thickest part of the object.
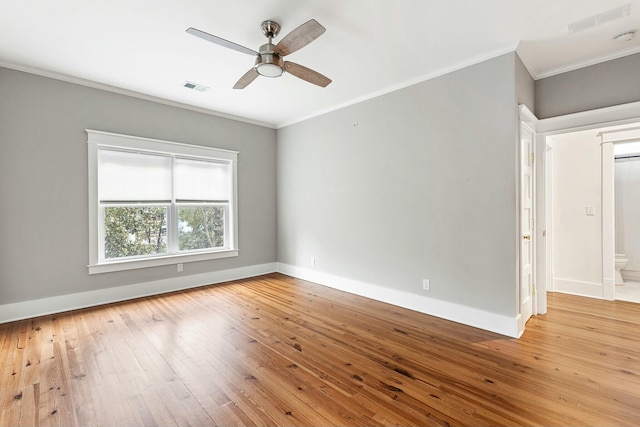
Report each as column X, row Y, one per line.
column 370, row 46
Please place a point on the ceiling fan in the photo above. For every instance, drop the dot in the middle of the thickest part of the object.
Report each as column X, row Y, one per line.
column 269, row 62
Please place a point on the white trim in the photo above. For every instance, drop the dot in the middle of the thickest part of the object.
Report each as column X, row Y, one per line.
column 608, row 221
column 419, row 79
column 539, row 299
column 592, row 119
column 583, row 64
column 470, row 316
column 615, row 115
column 132, row 264
column 411, row 82
column 461, row 65
column 98, row 139
column 61, row 303
column 118, row 140
column 108, row 88
column 621, row 135
column 527, row 121
column 608, row 207
column 527, row 116
column 575, row 287
column 542, row 213
column 544, row 220
column 608, row 288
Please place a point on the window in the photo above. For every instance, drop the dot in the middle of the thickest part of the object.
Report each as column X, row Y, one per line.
column 156, row 202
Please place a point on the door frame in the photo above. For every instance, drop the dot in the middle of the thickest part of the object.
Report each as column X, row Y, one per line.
column 591, row 119
column 609, row 139
column 527, row 123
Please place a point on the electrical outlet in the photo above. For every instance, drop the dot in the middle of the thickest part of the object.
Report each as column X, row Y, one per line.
column 426, row 285
column 180, row 268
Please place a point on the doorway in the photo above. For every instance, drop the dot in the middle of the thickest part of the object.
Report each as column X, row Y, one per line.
column 591, row 209
column 626, row 190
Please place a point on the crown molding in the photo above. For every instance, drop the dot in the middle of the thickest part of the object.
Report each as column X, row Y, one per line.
column 120, row 91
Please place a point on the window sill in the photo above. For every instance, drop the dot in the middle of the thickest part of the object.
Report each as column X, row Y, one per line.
column 107, row 267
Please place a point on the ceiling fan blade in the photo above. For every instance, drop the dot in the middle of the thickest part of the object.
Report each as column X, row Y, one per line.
column 306, row 74
column 300, row 37
column 220, row 41
column 247, row 78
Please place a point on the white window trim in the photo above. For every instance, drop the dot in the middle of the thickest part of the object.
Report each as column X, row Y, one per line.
column 105, row 139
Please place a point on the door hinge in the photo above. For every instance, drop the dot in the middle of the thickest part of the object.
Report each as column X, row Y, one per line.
column 533, row 224
column 533, row 289
column 533, row 157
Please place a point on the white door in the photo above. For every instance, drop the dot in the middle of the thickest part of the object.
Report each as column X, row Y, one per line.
column 527, row 259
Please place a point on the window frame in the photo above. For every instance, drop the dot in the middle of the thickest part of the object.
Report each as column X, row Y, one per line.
column 96, row 140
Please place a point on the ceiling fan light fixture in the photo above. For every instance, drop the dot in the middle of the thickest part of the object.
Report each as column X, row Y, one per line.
column 269, row 70
column 269, row 64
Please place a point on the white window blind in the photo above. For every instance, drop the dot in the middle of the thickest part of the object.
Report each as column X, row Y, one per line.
column 129, row 176
column 193, row 179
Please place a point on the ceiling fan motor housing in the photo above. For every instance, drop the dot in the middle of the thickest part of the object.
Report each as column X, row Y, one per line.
column 269, row 63
column 270, row 29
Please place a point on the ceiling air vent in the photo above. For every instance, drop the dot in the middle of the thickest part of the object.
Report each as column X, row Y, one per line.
column 195, row 86
column 602, row 18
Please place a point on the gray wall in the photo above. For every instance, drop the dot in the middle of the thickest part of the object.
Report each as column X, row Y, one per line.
column 602, row 85
column 525, row 86
column 418, row 183
column 43, row 182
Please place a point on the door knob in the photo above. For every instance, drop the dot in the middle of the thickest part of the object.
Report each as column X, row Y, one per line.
column 527, row 237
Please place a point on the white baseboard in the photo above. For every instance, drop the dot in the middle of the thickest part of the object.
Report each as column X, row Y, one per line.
column 505, row 325
column 455, row 312
column 57, row 304
column 575, row 287
column 608, row 288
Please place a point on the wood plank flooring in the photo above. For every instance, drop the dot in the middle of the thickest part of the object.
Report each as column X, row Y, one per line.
column 274, row 350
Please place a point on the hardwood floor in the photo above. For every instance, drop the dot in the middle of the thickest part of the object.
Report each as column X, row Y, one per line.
column 274, row 350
